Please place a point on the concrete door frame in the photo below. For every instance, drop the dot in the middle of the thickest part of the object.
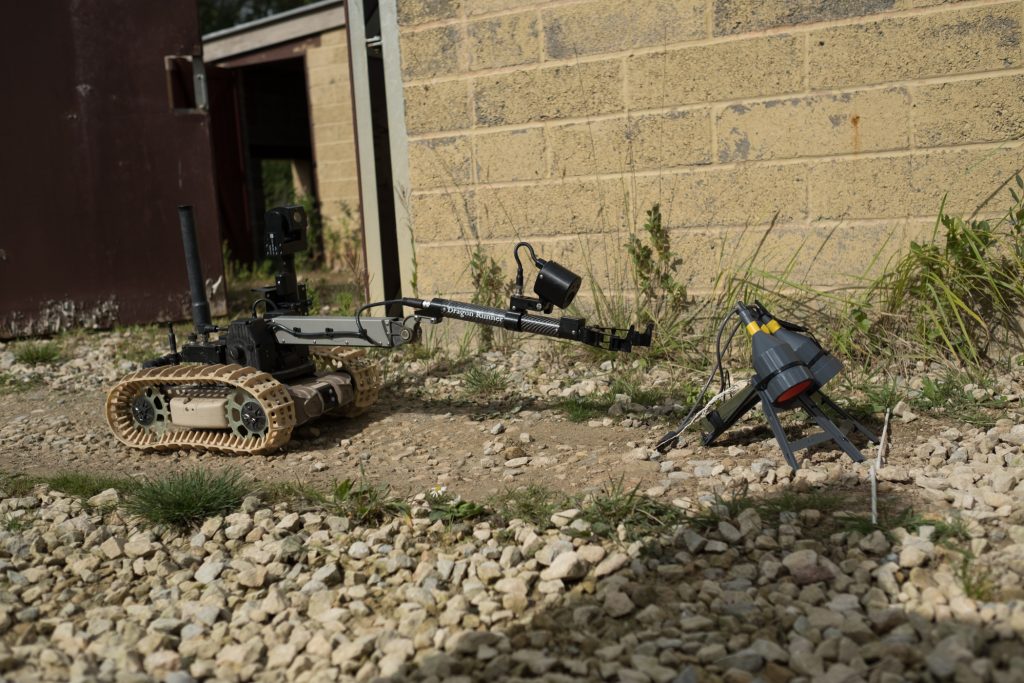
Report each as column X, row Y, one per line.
column 397, row 142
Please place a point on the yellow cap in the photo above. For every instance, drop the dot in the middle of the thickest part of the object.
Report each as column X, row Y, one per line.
column 772, row 326
column 753, row 328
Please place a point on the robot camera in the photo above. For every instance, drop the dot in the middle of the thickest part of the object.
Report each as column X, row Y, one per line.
column 286, row 231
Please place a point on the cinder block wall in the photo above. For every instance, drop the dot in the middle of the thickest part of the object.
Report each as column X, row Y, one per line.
column 562, row 121
column 334, row 145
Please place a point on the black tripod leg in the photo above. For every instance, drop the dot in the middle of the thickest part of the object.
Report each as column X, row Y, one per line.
column 849, row 418
column 718, row 422
column 837, row 435
column 780, row 434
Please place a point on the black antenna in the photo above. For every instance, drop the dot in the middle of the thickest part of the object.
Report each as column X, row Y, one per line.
column 200, row 304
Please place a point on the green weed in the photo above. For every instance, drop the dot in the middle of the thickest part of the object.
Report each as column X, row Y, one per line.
column 295, row 493
column 34, row 352
column 797, row 501
column 639, row 515
column 14, row 524
column 364, row 502
column 84, row 485
column 978, row 583
column 724, row 507
column 490, row 288
column 585, row 408
column 450, row 509
column 16, row 484
column 951, row 532
column 186, row 499
column 533, row 504
column 484, row 381
column 9, row 384
column 948, row 395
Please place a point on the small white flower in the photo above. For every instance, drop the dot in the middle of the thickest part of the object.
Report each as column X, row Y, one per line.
column 438, row 491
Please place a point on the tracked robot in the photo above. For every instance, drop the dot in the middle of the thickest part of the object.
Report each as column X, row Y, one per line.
column 244, row 388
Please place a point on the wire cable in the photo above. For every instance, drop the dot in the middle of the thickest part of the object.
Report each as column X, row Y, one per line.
column 720, row 352
column 673, row 437
column 359, row 324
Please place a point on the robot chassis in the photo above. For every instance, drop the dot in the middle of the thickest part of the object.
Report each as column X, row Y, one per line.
column 244, row 390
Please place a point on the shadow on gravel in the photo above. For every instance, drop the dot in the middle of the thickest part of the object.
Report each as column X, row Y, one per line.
column 769, row 587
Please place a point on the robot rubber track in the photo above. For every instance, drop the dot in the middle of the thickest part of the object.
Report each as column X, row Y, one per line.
column 156, row 385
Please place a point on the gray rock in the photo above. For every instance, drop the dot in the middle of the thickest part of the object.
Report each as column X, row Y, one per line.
column 105, row 498
column 567, row 565
column 617, row 604
column 359, row 550
column 209, row 571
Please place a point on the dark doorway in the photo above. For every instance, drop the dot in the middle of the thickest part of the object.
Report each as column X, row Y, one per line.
column 262, row 145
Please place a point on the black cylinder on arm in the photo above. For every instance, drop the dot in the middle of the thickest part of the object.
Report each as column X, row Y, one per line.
column 197, row 286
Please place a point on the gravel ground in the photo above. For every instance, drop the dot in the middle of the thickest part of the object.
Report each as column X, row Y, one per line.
column 270, row 593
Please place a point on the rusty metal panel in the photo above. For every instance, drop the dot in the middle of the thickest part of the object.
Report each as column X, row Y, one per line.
column 93, row 163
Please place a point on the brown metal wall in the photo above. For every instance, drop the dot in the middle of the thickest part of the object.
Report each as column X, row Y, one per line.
column 93, row 163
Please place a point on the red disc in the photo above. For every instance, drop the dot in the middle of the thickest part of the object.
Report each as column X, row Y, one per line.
column 794, row 391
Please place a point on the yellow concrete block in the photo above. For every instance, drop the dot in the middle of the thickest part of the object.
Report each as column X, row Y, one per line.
column 412, row 12
column 740, row 195
column 436, row 107
column 551, row 93
column 975, row 180
column 339, row 113
column 336, row 93
column 343, row 169
column 440, row 162
column 443, row 271
column 551, row 208
column 950, row 42
column 432, row 52
column 475, row 7
column 339, row 37
column 325, row 133
column 983, row 110
column 850, row 254
column 613, row 25
column 450, row 215
column 708, row 73
column 681, row 138
column 743, row 16
column 326, row 56
column 860, row 188
column 811, row 126
column 335, row 152
column 327, row 73
column 507, row 40
column 510, row 155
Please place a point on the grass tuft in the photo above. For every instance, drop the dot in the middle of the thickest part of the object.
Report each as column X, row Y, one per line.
column 725, row 506
column 978, row 583
column 83, row 485
column 14, row 524
column 9, row 384
column 533, row 504
column 33, row 352
column 585, row 408
column 294, row 493
column 450, row 509
column 949, row 395
column 16, row 484
column 640, row 515
column 363, row 502
column 186, row 499
column 482, row 381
